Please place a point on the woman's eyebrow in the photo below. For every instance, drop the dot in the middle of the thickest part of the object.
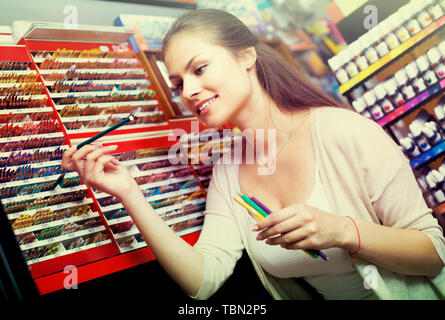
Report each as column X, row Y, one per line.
column 186, row 67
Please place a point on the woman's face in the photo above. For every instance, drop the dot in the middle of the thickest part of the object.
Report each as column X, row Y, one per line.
column 213, row 83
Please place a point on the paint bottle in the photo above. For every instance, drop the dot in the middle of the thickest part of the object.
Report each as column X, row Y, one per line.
column 382, row 100
column 401, row 32
column 350, row 66
column 442, row 4
column 422, row 64
column 393, row 94
column 441, row 48
column 379, row 34
column 430, row 78
column 374, row 108
column 337, row 67
column 421, row 14
column 390, row 38
column 415, row 128
column 403, row 85
column 411, row 23
column 409, row 147
column 433, row 125
column 431, row 134
column 434, row 9
column 412, row 72
column 369, row 52
column 358, row 55
column 360, row 106
column 441, row 169
column 434, row 179
column 439, row 111
column 401, row 78
column 435, row 58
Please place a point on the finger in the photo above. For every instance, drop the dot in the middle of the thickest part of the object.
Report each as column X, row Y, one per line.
column 66, row 159
column 288, row 237
column 272, row 220
column 103, row 162
column 285, row 226
column 280, row 216
column 94, row 155
column 84, row 151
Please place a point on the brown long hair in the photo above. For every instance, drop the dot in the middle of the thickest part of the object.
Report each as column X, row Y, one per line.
column 288, row 87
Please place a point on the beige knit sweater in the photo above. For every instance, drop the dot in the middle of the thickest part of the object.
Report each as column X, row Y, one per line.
column 366, row 176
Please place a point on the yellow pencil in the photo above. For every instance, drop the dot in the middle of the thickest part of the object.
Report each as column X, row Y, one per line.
column 248, row 208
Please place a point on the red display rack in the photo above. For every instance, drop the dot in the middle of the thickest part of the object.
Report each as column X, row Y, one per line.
column 99, row 259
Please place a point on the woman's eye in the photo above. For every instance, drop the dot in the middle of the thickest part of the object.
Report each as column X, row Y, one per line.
column 200, row 69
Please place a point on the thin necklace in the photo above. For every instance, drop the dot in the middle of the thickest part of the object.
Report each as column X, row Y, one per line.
column 272, row 163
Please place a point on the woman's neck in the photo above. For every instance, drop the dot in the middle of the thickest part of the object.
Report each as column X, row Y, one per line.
column 267, row 122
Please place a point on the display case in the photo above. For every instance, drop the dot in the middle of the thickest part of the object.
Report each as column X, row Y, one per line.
column 57, row 90
column 394, row 74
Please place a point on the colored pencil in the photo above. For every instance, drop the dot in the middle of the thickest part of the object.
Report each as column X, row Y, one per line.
column 94, row 138
column 248, row 208
column 253, row 204
column 258, row 206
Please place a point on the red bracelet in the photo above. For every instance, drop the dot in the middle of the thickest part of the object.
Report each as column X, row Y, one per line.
column 352, row 254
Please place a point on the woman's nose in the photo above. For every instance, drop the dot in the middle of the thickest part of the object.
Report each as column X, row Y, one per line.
column 190, row 88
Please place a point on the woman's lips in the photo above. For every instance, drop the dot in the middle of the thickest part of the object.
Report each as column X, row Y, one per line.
column 204, row 108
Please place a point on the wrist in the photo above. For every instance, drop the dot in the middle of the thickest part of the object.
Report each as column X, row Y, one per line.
column 132, row 194
column 349, row 238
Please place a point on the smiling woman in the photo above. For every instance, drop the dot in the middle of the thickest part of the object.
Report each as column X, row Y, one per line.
column 330, row 189
column 223, row 39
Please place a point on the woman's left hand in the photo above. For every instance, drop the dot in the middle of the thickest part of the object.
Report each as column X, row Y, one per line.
column 300, row 226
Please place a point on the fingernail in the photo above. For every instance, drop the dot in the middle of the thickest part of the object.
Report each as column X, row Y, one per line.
column 115, row 162
column 112, row 147
column 255, row 228
column 96, row 144
column 259, row 237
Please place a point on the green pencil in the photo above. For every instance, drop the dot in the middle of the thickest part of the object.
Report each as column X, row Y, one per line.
column 94, row 138
column 253, row 204
column 101, row 134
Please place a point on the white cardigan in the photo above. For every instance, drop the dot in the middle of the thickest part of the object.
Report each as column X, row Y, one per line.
column 366, row 176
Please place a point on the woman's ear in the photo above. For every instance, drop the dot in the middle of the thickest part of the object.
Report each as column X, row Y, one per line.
column 248, row 57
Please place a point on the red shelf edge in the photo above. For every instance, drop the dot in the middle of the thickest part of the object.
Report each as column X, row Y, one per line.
column 94, row 270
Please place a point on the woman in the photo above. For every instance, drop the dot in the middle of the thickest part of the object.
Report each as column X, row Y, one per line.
column 339, row 184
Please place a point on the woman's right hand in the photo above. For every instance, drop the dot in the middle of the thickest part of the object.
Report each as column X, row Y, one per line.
column 99, row 170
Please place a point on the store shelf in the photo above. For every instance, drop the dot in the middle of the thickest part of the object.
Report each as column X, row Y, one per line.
column 37, row 180
column 42, row 135
column 383, row 62
column 154, row 198
column 41, row 226
column 97, row 82
column 50, row 149
column 66, row 252
column 128, row 70
column 28, row 110
column 80, row 60
column 95, row 93
column 56, row 191
column 60, row 206
column 110, row 104
column 41, row 243
column 412, row 104
column 432, row 153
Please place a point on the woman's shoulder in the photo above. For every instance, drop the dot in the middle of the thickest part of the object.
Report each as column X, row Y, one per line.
column 348, row 125
column 336, row 117
column 346, row 130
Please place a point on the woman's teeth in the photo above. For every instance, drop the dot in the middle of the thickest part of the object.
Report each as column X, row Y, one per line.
column 206, row 104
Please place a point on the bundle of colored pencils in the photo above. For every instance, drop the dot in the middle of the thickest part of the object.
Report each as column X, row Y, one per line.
column 259, row 210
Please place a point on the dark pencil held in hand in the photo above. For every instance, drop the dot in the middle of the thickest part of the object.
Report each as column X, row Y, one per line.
column 130, row 118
